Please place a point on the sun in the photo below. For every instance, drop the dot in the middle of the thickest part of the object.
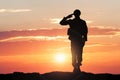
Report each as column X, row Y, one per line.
column 60, row 57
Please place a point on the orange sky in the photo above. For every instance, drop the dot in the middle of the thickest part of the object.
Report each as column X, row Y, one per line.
column 31, row 36
column 35, row 50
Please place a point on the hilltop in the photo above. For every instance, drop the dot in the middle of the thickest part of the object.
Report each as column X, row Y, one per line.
column 59, row 76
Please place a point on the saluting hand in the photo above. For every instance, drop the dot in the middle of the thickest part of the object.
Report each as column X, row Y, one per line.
column 69, row 16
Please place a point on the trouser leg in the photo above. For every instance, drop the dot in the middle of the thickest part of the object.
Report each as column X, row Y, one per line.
column 73, row 57
column 79, row 56
column 80, row 52
column 77, row 50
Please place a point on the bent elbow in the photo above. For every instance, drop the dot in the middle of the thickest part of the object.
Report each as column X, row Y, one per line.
column 61, row 23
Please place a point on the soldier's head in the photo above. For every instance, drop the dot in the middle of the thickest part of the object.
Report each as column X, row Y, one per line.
column 77, row 13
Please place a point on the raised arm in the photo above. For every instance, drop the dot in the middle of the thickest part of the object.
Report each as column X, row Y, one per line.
column 65, row 20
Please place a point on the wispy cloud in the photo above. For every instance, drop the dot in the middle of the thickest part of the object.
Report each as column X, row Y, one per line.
column 28, row 38
column 102, row 30
column 40, row 32
column 14, row 10
column 53, row 34
column 57, row 20
column 98, row 45
column 89, row 21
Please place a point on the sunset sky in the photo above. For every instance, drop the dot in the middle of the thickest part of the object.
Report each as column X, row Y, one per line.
column 32, row 40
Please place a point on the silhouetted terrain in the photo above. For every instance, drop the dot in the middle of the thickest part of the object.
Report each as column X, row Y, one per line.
column 58, row 76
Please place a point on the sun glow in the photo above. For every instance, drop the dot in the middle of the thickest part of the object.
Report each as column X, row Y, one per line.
column 60, row 57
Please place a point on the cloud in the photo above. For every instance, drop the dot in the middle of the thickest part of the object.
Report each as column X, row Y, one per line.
column 38, row 38
column 14, row 10
column 117, row 34
column 101, row 30
column 57, row 20
column 54, row 34
column 40, row 32
column 89, row 22
column 40, row 41
column 27, row 35
column 98, row 45
column 2, row 10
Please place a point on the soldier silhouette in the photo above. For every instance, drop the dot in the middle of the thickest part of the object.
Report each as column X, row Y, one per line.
column 78, row 36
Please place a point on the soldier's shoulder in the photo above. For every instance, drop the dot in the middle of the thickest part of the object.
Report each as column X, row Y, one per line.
column 83, row 20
